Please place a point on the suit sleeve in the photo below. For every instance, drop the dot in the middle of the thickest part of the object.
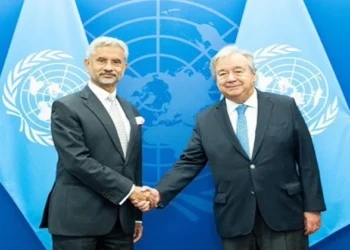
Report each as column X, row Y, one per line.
column 307, row 164
column 74, row 156
column 191, row 162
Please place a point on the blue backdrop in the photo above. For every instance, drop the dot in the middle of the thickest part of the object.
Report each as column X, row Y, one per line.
column 160, row 97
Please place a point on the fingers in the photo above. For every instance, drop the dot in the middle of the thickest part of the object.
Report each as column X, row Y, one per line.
column 155, row 196
column 139, row 194
column 138, row 232
column 311, row 228
column 312, row 222
column 145, row 198
column 146, row 188
column 144, row 206
column 153, row 201
column 137, row 236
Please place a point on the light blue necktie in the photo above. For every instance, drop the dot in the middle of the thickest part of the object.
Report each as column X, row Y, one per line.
column 242, row 129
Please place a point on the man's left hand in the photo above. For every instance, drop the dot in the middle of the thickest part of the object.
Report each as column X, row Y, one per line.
column 138, row 232
column 312, row 222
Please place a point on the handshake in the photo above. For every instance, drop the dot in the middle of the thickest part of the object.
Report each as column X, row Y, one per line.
column 145, row 198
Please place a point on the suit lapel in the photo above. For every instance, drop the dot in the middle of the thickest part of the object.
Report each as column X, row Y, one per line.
column 133, row 126
column 94, row 104
column 264, row 111
column 224, row 121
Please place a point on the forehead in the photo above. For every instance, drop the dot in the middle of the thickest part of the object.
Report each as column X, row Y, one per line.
column 109, row 52
column 232, row 61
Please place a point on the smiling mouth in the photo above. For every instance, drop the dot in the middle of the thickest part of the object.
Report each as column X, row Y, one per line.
column 233, row 87
column 108, row 75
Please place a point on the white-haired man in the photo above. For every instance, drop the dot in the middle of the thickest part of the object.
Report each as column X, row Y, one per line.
column 268, row 193
column 98, row 141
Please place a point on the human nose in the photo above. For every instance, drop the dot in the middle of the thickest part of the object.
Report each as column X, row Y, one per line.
column 108, row 66
column 231, row 77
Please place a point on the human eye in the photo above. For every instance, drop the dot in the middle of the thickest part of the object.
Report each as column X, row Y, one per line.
column 101, row 60
column 117, row 62
column 222, row 73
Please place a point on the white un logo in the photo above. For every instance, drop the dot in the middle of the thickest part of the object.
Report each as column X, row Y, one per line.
column 171, row 44
column 281, row 73
column 34, row 84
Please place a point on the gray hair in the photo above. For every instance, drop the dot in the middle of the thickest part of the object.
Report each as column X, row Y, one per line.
column 230, row 50
column 103, row 41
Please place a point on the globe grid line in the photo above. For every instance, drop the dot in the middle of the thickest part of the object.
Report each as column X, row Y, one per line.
column 303, row 83
column 32, row 111
column 157, row 36
column 275, row 89
column 308, row 80
column 117, row 6
column 41, row 93
column 131, row 21
column 216, row 13
column 15, row 78
column 158, row 17
column 193, row 45
column 76, row 88
column 47, row 82
column 64, row 75
column 101, row 13
column 162, row 55
column 304, row 68
column 293, row 70
column 89, row 34
column 70, row 65
column 180, row 20
column 209, row 48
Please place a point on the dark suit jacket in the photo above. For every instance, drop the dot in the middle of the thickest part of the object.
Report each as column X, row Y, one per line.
column 92, row 174
column 282, row 177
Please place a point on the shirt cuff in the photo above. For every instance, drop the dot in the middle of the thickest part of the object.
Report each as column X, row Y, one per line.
column 138, row 221
column 126, row 197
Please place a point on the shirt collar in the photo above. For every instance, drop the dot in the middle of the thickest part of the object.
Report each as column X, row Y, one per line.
column 252, row 102
column 101, row 94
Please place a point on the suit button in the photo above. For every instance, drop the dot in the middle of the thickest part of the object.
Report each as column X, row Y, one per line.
column 252, row 166
column 252, row 193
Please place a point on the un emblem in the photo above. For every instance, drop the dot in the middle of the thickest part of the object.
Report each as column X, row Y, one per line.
column 279, row 71
column 34, row 84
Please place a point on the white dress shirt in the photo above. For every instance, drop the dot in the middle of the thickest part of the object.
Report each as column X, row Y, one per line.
column 102, row 95
column 251, row 115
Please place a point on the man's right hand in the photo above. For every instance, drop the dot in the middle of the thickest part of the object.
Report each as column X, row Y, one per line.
column 140, row 194
column 152, row 202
